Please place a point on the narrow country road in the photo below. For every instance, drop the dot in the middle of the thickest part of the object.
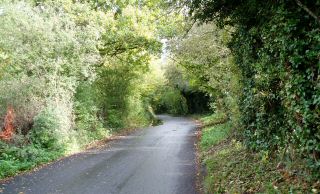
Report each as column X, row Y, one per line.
column 154, row 160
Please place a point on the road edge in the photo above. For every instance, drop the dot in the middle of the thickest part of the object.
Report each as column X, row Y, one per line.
column 200, row 168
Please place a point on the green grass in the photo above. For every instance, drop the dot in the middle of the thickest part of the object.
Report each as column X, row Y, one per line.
column 213, row 119
column 232, row 168
column 214, row 135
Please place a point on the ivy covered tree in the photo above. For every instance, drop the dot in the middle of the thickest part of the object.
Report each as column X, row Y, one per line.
column 275, row 45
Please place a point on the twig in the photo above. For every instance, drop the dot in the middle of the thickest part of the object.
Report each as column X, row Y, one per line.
column 188, row 30
column 308, row 11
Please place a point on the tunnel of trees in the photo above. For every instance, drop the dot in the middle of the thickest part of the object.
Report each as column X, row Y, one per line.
column 198, row 102
column 72, row 72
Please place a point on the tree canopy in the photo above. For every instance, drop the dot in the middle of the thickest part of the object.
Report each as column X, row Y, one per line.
column 75, row 71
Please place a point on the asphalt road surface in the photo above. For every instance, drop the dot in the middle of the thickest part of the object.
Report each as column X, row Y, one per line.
column 154, row 160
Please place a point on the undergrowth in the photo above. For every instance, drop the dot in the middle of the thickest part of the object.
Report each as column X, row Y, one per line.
column 20, row 155
column 214, row 135
column 15, row 159
column 232, row 168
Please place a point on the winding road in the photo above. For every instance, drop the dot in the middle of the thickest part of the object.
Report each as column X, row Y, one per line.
column 154, row 160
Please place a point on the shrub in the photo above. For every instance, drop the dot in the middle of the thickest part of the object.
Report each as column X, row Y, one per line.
column 171, row 101
column 46, row 131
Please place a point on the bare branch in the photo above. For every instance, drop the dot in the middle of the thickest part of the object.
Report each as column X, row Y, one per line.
column 308, row 11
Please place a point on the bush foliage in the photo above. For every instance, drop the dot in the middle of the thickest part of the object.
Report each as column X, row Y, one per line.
column 73, row 71
column 275, row 46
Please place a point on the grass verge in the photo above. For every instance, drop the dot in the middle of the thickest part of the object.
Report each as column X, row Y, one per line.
column 231, row 168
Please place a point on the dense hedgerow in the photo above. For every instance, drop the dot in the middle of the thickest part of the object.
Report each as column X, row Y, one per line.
column 275, row 45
